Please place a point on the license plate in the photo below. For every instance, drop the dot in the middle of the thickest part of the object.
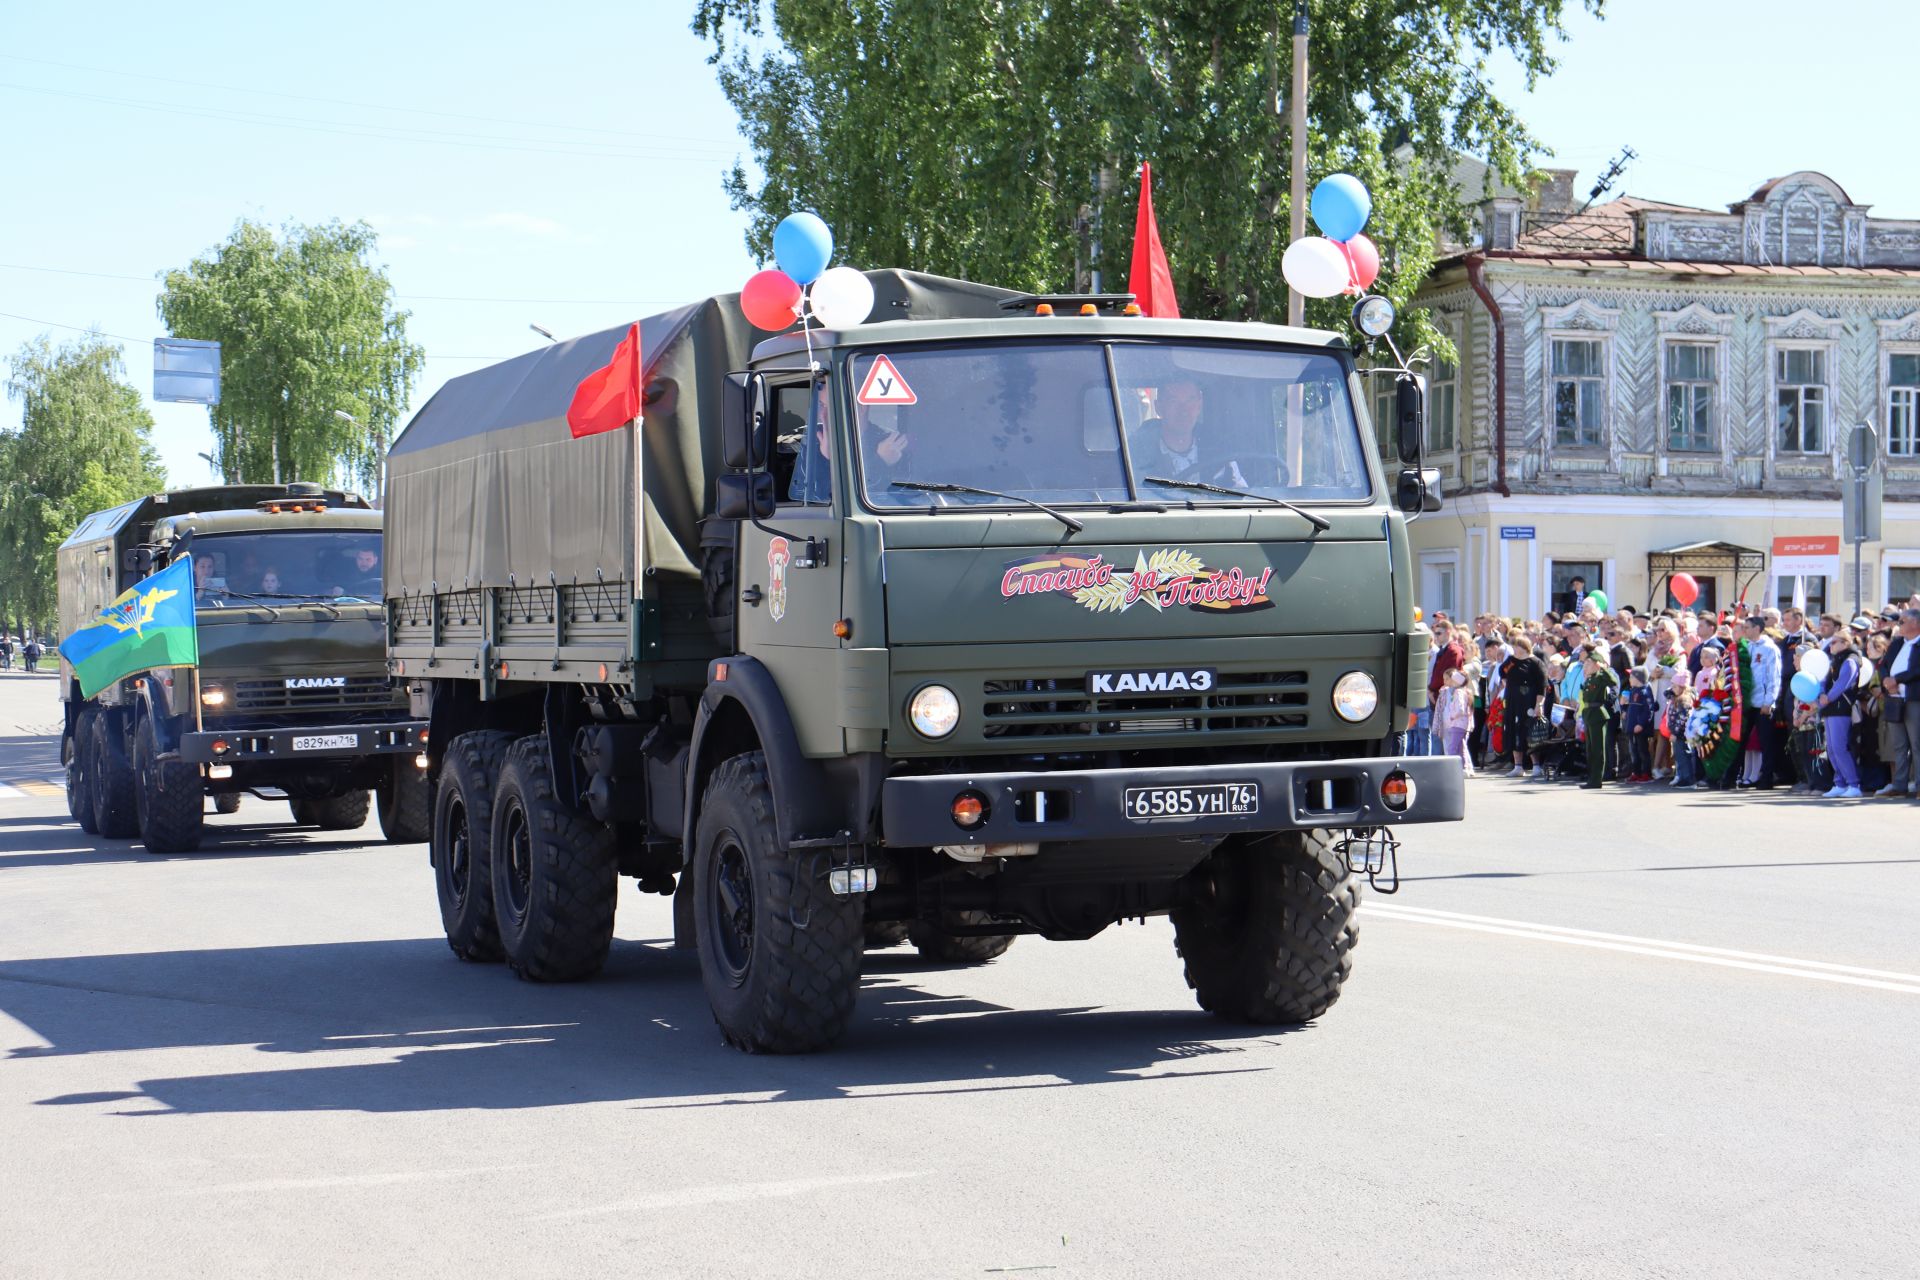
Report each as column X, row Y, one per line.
column 326, row 742
column 1212, row 799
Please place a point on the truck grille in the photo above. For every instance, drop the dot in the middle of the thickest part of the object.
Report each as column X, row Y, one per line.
column 359, row 693
column 1061, row 707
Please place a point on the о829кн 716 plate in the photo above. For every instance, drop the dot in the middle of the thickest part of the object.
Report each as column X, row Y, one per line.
column 1162, row 804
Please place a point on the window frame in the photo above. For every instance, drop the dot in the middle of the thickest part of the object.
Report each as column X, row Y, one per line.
column 1908, row 391
column 1714, row 385
column 1777, row 352
column 1451, row 385
column 1603, row 380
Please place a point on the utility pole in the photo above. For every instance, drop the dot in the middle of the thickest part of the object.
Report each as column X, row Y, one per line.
column 1297, row 201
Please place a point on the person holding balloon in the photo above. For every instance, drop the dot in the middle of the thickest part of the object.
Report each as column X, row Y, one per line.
column 1836, row 702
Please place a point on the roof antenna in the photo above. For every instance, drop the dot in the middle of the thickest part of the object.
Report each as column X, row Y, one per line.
column 1614, row 168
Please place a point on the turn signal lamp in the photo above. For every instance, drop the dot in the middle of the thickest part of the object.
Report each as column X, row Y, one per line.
column 1131, row 309
column 220, row 746
column 1043, row 309
column 843, row 629
column 1396, row 792
column 969, row 810
column 1088, row 309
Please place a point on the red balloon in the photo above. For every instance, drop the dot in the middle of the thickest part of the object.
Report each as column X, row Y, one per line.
column 1685, row 588
column 1363, row 260
column 771, row 300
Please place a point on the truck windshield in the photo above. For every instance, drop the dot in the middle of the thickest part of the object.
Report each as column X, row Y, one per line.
column 1045, row 421
column 290, row 564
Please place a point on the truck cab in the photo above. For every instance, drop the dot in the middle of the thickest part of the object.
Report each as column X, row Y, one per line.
column 291, row 697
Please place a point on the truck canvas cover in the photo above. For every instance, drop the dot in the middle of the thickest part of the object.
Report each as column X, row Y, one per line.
column 487, row 482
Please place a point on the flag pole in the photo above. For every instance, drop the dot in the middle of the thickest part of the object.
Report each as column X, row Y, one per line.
column 1297, row 180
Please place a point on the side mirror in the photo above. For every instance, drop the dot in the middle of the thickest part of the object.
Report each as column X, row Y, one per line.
column 1410, row 418
column 747, row 496
column 743, row 424
column 1418, row 492
column 137, row 560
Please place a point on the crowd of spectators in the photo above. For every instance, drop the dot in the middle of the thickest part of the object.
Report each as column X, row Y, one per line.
column 1748, row 701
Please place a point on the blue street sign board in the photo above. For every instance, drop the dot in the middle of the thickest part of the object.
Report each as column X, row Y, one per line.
column 1516, row 533
column 186, row 371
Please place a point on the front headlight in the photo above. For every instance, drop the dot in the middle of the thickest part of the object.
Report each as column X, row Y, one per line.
column 934, row 711
column 213, row 696
column 1355, row 697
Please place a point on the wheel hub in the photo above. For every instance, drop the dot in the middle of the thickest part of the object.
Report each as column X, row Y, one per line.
column 733, row 909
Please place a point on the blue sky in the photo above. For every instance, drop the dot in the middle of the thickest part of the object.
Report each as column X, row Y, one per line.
column 566, row 170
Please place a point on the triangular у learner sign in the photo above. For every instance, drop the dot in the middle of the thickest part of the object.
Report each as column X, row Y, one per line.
column 884, row 385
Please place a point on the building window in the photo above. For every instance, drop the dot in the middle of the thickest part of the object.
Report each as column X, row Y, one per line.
column 1579, row 394
column 1816, row 602
column 1800, row 404
column 1903, row 404
column 1903, row 583
column 1690, row 387
column 1707, row 601
column 1441, row 398
column 1566, row 597
column 1383, row 421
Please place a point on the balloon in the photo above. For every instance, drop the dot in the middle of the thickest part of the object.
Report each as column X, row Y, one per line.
column 1315, row 267
column 771, row 300
column 802, row 246
column 1363, row 258
column 1340, row 206
column 1815, row 664
column 1804, row 686
column 841, row 298
column 1685, row 588
column 1599, row 599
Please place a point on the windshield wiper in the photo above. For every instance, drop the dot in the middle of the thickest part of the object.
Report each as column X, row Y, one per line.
column 1073, row 526
column 1319, row 522
column 303, row 599
column 258, row 602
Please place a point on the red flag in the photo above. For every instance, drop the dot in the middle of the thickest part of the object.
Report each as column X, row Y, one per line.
column 609, row 397
column 1150, row 280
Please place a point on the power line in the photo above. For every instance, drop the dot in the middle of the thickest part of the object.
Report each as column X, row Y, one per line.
column 405, row 297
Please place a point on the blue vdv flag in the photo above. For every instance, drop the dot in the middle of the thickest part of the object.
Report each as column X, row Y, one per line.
column 149, row 625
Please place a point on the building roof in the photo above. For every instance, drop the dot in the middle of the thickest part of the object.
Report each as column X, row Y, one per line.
column 1602, row 228
column 1622, row 262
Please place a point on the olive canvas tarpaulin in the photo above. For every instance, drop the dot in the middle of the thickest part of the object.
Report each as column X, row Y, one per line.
column 488, row 484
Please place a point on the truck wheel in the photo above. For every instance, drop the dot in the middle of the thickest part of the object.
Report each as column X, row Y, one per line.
column 405, row 803
column 79, row 773
column 885, row 933
column 555, row 883
column 335, row 813
column 936, row 943
column 114, row 815
column 779, row 952
column 1269, row 935
column 227, row 802
column 463, row 840
column 168, row 801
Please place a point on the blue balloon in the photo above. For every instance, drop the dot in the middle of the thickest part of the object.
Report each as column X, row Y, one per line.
column 1340, row 207
column 802, row 246
column 1804, row 686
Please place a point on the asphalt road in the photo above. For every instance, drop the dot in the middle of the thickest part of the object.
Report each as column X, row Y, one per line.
column 1613, row 1034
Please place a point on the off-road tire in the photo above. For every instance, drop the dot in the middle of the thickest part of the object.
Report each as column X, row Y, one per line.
column 114, row 813
column 169, row 802
column 779, row 952
column 555, row 881
column 1268, row 936
column 405, row 803
column 936, row 943
column 334, row 813
column 885, row 933
column 227, row 802
column 80, row 772
column 462, row 842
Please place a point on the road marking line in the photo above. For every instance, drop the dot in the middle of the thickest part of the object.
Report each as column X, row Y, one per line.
column 42, row 788
column 692, row 1197
column 1818, row 971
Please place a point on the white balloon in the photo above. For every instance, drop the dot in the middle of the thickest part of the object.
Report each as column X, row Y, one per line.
column 841, row 297
column 1315, row 266
column 1814, row 664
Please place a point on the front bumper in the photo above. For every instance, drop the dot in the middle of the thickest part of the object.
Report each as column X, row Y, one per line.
column 1091, row 804
column 348, row 741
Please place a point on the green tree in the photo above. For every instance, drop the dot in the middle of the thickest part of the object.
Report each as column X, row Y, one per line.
column 84, row 444
column 307, row 333
column 976, row 139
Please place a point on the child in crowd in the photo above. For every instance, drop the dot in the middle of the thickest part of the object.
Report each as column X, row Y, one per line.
column 1453, row 716
column 1686, row 765
column 1637, row 720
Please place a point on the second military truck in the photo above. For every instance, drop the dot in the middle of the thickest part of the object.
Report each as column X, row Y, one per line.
column 291, row 696
column 996, row 615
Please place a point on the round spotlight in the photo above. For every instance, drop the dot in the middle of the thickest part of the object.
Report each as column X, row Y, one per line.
column 1373, row 315
column 934, row 711
column 1355, row 696
column 969, row 810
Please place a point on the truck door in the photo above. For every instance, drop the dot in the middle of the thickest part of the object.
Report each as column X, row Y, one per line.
column 789, row 571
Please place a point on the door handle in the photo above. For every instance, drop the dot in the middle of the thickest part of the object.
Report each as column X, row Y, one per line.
column 752, row 596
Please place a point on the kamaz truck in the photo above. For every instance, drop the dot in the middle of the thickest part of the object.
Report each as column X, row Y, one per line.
column 291, row 697
column 996, row 615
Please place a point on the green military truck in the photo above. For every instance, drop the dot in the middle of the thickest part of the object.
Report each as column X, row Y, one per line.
column 994, row 615
column 291, row 696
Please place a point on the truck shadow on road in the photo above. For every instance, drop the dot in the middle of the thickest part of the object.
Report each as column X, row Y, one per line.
column 400, row 1026
column 45, row 842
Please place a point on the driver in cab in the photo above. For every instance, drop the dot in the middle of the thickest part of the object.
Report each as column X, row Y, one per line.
column 1177, row 444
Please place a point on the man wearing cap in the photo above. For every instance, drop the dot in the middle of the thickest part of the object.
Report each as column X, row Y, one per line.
column 1900, row 711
